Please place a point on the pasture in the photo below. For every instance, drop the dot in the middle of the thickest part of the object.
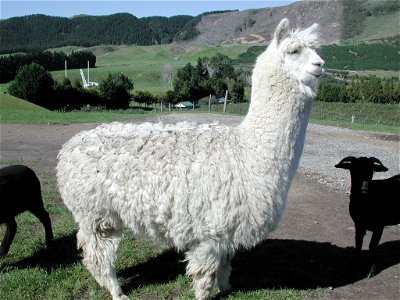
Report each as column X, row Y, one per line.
column 145, row 64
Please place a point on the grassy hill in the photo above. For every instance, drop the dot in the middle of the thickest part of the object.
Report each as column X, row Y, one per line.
column 14, row 103
column 145, row 64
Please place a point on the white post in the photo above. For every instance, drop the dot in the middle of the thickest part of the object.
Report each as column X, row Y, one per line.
column 226, row 100
column 88, row 80
column 65, row 65
column 352, row 119
column 169, row 106
column 193, row 105
column 209, row 104
column 161, row 106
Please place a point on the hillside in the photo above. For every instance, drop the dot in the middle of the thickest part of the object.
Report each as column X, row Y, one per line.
column 354, row 21
column 40, row 32
column 361, row 20
column 11, row 102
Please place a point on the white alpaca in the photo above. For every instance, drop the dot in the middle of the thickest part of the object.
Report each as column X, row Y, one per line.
column 208, row 190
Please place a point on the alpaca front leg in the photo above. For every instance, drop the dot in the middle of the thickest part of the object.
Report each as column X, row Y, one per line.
column 99, row 257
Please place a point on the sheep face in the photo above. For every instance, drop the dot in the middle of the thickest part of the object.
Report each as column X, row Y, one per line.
column 361, row 169
column 299, row 58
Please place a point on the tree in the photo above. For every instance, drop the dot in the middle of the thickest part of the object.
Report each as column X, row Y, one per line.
column 237, row 93
column 144, row 97
column 32, row 83
column 115, row 90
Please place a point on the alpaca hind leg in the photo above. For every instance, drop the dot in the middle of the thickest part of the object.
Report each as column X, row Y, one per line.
column 223, row 273
column 203, row 263
column 99, row 256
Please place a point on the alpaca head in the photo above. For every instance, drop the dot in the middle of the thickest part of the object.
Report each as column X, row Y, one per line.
column 297, row 54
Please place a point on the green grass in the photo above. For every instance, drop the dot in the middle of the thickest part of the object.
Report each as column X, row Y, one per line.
column 367, row 116
column 8, row 102
column 377, row 27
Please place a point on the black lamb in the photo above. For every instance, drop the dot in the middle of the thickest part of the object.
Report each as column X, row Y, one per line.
column 20, row 191
column 374, row 204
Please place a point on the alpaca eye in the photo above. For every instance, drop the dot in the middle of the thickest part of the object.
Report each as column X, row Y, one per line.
column 296, row 51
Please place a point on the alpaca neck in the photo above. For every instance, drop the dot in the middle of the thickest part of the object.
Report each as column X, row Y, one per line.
column 275, row 126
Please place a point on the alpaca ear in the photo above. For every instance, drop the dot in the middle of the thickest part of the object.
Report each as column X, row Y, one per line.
column 282, row 30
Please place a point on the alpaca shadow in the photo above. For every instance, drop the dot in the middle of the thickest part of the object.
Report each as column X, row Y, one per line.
column 274, row 264
column 303, row 265
column 157, row 270
column 60, row 254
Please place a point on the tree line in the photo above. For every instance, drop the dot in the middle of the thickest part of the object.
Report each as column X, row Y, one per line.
column 360, row 89
column 40, row 32
column 212, row 75
column 51, row 61
column 35, row 84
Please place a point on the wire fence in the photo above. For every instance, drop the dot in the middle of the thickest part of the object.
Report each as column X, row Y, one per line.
column 361, row 113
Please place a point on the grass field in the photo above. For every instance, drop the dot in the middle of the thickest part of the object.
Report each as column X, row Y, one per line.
column 377, row 27
column 144, row 64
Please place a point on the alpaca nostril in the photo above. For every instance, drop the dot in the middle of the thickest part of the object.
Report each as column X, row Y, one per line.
column 319, row 64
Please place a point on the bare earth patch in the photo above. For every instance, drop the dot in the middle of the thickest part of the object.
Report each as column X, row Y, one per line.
column 313, row 246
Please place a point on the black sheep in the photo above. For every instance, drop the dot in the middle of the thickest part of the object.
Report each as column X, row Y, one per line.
column 374, row 204
column 20, row 191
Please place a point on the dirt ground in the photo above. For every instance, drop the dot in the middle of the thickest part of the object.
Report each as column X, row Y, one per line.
column 312, row 248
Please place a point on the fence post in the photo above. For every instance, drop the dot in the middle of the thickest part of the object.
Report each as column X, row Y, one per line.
column 209, row 104
column 169, row 106
column 226, row 99
column 352, row 119
column 161, row 106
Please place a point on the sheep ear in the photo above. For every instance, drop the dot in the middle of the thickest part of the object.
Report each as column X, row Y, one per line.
column 346, row 162
column 378, row 165
column 282, row 30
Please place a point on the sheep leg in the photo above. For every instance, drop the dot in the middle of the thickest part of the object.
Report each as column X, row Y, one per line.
column 44, row 217
column 360, row 233
column 223, row 273
column 99, row 255
column 373, row 249
column 203, row 263
column 11, row 230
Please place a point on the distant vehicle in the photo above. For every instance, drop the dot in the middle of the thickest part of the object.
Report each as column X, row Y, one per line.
column 187, row 104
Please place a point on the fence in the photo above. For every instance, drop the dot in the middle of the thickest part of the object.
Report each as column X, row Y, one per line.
column 362, row 113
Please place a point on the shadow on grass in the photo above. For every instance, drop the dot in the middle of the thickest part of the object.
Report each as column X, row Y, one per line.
column 274, row 264
column 160, row 269
column 61, row 253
